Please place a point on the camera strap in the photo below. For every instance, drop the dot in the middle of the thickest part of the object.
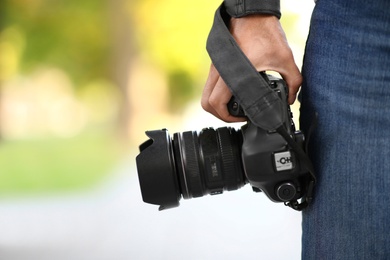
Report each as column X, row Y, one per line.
column 261, row 104
column 305, row 160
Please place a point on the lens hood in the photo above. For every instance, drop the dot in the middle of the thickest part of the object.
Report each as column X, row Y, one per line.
column 156, row 171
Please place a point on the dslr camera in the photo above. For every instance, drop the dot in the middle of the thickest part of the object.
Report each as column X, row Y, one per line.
column 193, row 164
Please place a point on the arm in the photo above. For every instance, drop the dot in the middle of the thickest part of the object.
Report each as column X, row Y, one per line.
column 259, row 34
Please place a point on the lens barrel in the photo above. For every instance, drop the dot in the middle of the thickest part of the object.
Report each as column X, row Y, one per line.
column 190, row 165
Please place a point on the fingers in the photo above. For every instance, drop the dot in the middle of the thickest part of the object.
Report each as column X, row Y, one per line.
column 219, row 100
column 293, row 84
column 216, row 93
column 216, row 96
column 208, row 89
column 293, row 78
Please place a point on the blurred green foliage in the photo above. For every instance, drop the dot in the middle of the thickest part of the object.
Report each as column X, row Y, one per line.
column 53, row 164
column 71, row 35
column 181, row 89
column 172, row 34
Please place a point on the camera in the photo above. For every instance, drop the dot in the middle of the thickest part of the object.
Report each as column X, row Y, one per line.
column 193, row 164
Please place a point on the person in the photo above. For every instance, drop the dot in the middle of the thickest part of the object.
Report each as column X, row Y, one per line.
column 345, row 81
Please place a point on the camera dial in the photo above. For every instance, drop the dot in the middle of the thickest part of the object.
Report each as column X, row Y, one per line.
column 286, row 191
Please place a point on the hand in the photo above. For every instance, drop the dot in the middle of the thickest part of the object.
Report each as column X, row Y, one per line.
column 264, row 42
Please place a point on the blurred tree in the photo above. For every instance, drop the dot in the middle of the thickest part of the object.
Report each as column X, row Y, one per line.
column 71, row 35
column 172, row 35
column 91, row 41
column 122, row 51
column 180, row 89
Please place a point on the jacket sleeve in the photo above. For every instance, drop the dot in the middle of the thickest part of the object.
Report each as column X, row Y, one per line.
column 240, row 8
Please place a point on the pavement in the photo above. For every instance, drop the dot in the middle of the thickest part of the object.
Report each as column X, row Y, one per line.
column 110, row 222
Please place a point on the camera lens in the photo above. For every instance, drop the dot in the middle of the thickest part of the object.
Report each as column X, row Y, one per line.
column 189, row 165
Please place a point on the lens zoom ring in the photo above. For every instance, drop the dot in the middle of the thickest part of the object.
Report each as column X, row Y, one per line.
column 229, row 158
column 191, row 164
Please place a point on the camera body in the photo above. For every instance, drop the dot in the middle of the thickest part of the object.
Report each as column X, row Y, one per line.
column 270, row 165
column 194, row 164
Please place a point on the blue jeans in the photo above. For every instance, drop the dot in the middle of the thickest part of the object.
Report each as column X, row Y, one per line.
column 347, row 82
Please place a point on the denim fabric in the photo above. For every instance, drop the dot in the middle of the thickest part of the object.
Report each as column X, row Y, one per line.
column 347, row 82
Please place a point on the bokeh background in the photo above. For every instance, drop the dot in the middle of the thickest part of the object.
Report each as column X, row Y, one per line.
column 80, row 82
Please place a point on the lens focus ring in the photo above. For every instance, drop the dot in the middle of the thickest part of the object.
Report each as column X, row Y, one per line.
column 229, row 159
column 190, row 159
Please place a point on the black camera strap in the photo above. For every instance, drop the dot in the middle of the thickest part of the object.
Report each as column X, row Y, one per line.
column 261, row 104
column 307, row 164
